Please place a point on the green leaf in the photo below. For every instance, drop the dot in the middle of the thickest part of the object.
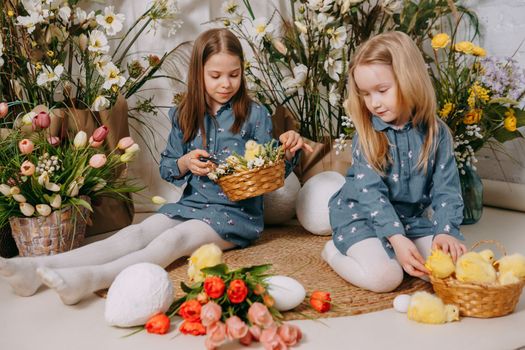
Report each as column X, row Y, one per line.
column 257, row 270
column 217, row 270
column 185, row 288
column 503, row 135
column 82, row 203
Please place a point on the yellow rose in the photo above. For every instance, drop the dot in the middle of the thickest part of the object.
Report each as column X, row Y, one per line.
column 510, row 122
column 479, row 51
column 206, row 256
column 440, row 40
column 465, row 47
column 472, row 117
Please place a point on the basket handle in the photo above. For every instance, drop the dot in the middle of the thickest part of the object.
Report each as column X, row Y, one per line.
column 490, row 241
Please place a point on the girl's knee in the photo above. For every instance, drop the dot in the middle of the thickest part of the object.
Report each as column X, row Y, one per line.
column 385, row 279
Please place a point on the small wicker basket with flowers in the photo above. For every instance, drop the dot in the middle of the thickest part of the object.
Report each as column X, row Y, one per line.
column 478, row 285
column 259, row 171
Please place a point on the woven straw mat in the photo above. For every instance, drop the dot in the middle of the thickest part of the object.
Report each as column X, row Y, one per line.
column 294, row 252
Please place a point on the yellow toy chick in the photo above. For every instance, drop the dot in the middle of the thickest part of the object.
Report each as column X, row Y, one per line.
column 472, row 267
column 514, row 263
column 488, row 255
column 440, row 264
column 253, row 149
column 507, row 278
column 427, row 308
column 207, row 255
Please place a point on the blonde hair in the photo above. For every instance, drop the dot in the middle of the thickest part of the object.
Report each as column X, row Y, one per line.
column 416, row 96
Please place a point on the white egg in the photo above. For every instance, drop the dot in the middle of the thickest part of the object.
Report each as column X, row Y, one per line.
column 287, row 292
column 401, row 303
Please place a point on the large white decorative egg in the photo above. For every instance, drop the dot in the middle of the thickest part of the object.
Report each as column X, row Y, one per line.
column 139, row 292
column 279, row 205
column 401, row 303
column 312, row 201
column 287, row 292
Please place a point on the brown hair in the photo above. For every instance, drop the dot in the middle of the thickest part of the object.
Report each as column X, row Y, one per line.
column 415, row 89
column 193, row 106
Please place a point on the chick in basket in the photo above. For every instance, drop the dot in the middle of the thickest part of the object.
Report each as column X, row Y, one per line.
column 473, row 267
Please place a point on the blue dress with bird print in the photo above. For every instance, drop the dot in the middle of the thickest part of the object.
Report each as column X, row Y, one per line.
column 373, row 205
column 238, row 222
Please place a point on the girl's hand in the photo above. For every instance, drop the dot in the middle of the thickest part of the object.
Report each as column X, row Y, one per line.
column 191, row 162
column 408, row 256
column 448, row 243
column 292, row 142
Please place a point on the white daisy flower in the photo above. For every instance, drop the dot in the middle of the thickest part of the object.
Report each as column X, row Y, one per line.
column 100, row 103
column 112, row 76
column 49, row 74
column 333, row 67
column 98, row 43
column 29, row 22
column 111, row 22
column 338, row 38
column 262, row 28
column 65, row 13
column 101, row 62
column 229, row 7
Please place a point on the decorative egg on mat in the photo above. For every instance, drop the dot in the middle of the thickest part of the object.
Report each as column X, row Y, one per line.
column 286, row 292
column 401, row 303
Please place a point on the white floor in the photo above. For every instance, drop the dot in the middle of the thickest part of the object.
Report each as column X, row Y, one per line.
column 42, row 322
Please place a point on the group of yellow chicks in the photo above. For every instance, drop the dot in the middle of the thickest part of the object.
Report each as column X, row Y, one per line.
column 471, row 267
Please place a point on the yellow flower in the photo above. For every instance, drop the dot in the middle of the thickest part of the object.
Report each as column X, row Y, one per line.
column 479, row 51
column 510, row 122
column 10, row 13
column 477, row 92
column 50, row 53
column 445, row 111
column 206, row 256
column 465, row 47
column 472, row 117
column 158, row 200
column 440, row 40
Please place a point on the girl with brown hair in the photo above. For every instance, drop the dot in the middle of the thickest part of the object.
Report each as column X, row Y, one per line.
column 215, row 119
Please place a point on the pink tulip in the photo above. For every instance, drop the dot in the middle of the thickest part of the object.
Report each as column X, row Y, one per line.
column 100, row 133
column 53, row 140
column 247, row 339
column 236, row 328
column 4, row 108
column 255, row 331
column 27, row 168
column 98, row 160
column 270, row 339
column 41, row 121
column 259, row 315
column 95, row 144
column 290, row 334
column 26, row 146
column 210, row 313
column 125, row 143
column 216, row 335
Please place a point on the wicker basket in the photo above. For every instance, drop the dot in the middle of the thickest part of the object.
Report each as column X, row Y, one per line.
column 61, row 231
column 252, row 183
column 476, row 300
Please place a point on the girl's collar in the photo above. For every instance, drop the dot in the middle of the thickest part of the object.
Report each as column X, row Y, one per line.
column 380, row 125
column 226, row 106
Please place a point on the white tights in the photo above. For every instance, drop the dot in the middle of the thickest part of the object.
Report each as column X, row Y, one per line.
column 367, row 264
column 76, row 274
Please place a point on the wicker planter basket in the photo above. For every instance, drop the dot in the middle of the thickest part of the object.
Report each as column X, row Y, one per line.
column 476, row 300
column 61, row 231
column 252, row 183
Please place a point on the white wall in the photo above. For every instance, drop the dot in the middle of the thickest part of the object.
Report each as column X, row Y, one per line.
column 503, row 30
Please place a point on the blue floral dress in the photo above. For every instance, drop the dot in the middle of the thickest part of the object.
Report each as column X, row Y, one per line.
column 373, row 205
column 238, row 222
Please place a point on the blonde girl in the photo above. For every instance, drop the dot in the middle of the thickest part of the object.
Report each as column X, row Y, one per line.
column 401, row 195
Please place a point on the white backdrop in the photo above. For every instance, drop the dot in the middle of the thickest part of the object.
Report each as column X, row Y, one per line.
column 503, row 30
